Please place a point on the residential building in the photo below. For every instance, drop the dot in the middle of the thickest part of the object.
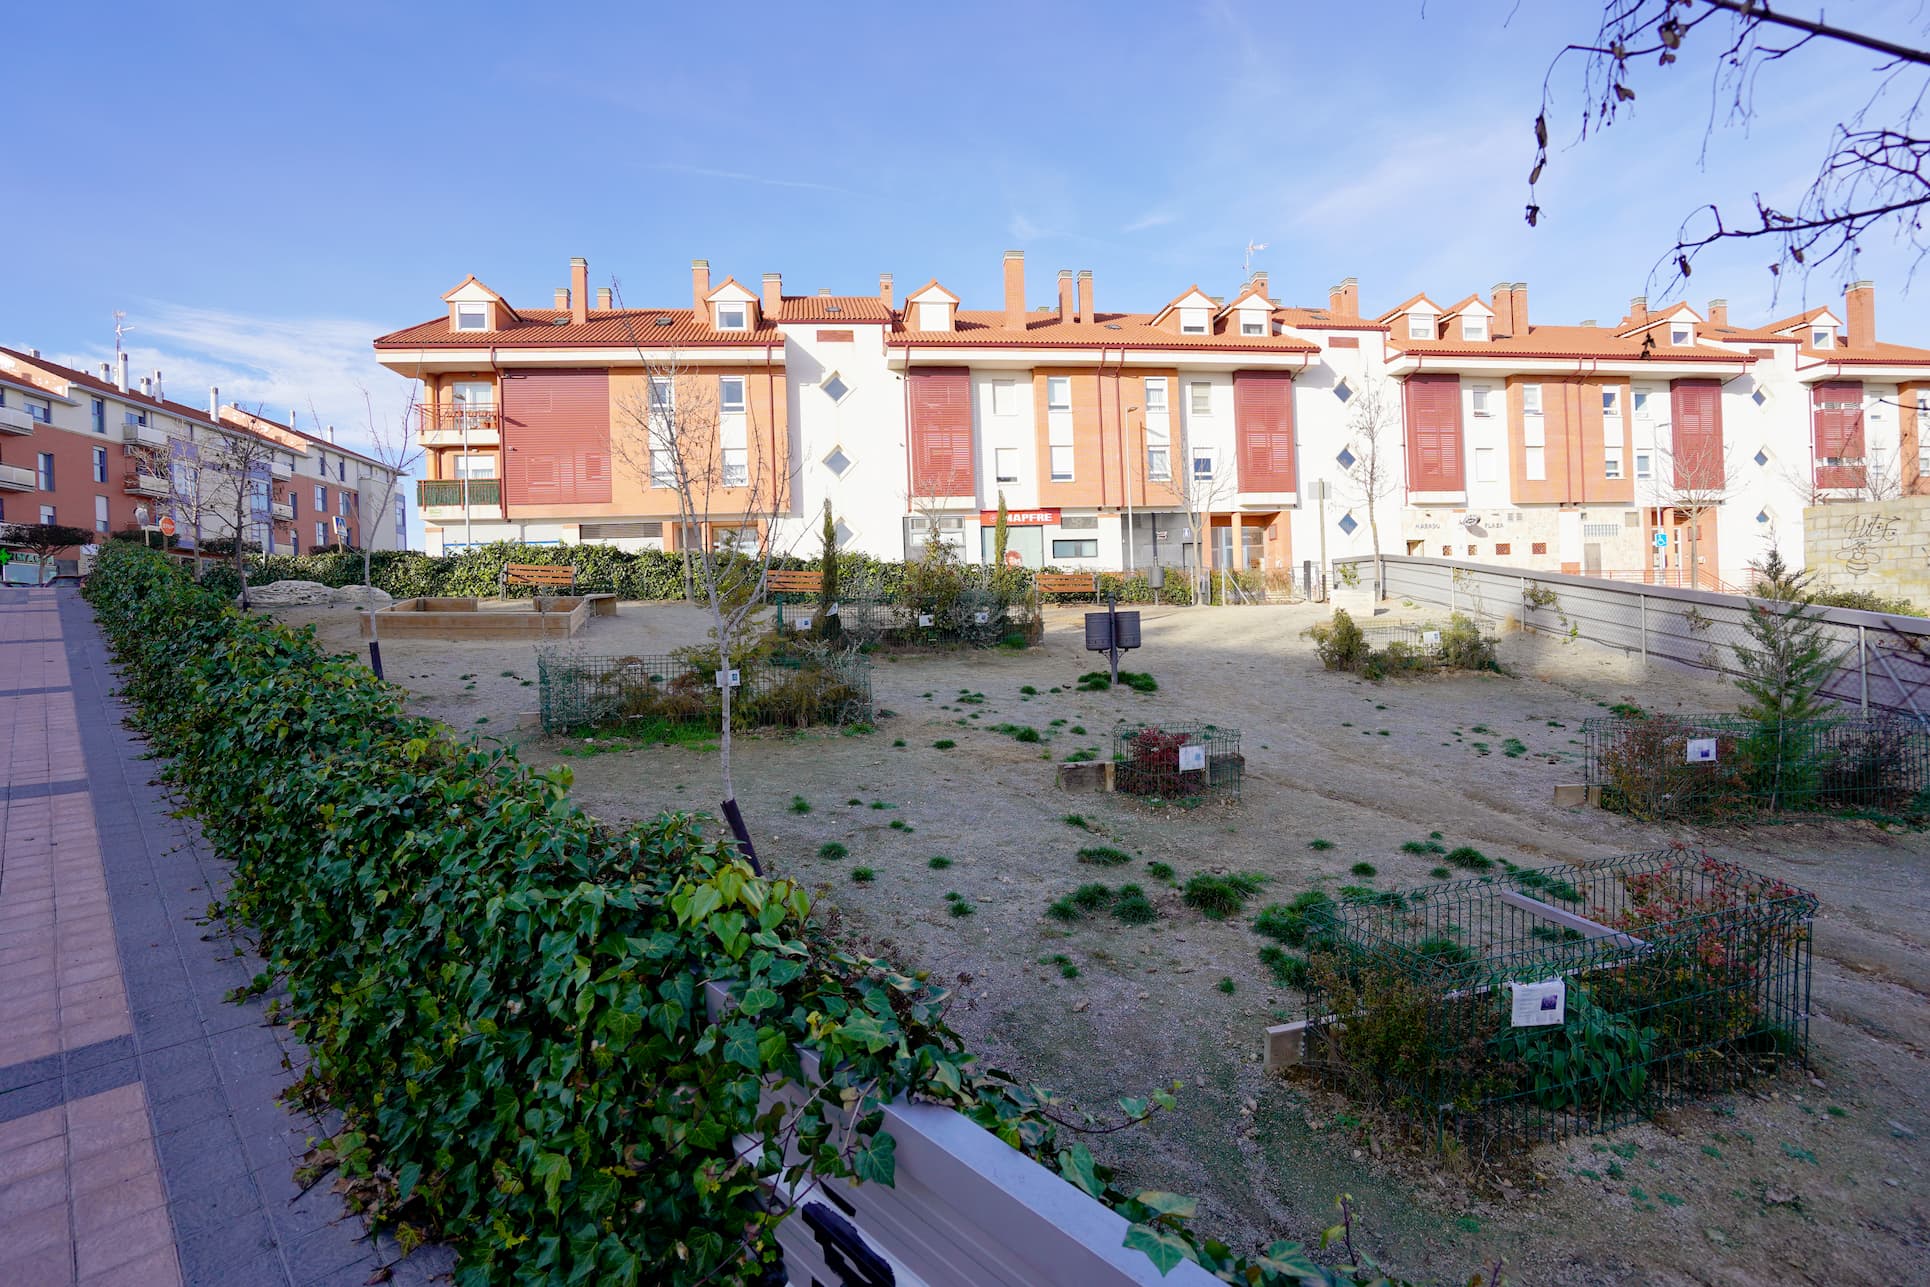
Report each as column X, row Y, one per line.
column 107, row 453
column 1216, row 431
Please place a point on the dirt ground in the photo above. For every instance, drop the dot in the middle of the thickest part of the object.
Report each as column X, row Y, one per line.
column 1815, row 1177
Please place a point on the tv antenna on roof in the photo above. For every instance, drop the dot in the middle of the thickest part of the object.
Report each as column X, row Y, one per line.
column 1252, row 248
column 120, row 328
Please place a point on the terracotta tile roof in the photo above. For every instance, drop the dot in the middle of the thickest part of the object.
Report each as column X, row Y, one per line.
column 1406, row 304
column 96, row 384
column 1119, row 330
column 1799, row 319
column 834, row 308
column 335, row 447
column 552, row 328
column 1322, row 319
column 1566, row 342
column 1742, row 335
column 1878, row 354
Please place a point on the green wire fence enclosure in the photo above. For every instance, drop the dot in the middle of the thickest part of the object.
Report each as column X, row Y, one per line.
column 1546, row 1002
column 975, row 619
column 824, row 686
column 1186, row 763
column 1724, row 766
column 1463, row 643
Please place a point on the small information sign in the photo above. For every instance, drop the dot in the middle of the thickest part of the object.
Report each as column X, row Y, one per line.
column 1192, row 758
column 1539, row 1005
column 1701, row 750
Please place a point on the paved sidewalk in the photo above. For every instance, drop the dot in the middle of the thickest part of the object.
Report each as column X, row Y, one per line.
column 141, row 1140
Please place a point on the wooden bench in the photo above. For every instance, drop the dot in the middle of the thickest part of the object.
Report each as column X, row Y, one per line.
column 1067, row 583
column 541, row 575
column 794, row 580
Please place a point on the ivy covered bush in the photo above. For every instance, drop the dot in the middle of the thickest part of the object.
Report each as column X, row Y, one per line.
column 505, row 999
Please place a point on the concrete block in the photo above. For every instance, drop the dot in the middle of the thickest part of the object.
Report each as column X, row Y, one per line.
column 1570, row 795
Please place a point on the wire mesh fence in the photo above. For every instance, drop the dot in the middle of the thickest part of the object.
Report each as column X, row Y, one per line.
column 1463, row 643
column 976, row 619
column 822, row 686
column 1726, row 766
column 1649, row 979
column 1184, row 764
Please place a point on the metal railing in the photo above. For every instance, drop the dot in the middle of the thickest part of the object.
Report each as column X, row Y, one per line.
column 445, row 425
column 139, row 484
column 16, row 478
column 1677, row 577
column 454, row 493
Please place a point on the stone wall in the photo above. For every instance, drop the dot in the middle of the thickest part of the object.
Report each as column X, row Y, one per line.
column 1879, row 546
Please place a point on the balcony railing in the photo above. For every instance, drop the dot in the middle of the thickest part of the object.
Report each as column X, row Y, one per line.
column 1833, row 473
column 140, row 484
column 15, row 420
column 452, row 426
column 445, row 497
column 144, row 435
column 281, row 468
column 282, row 510
column 13, row 478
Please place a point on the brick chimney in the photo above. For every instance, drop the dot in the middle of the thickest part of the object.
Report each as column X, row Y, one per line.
column 884, row 289
column 603, row 299
column 1015, row 290
column 1518, row 309
column 1859, row 314
column 1065, row 296
column 1718, row 312
column 773, row 293
column 1343, row 301
column 699, row 286
column 1260, row 280
column 1504, row 310
column 1085, row 295
column 579, row 290
column 1638, row 310
column 561, row 299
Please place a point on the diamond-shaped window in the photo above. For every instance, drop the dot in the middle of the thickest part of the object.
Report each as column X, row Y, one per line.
column 1346, row 458
column 1759, row 397
column 1762, row 457
column 837, row 462
column 1762, row 516
column 834, row 387
column 1343, row 391
column 1347, row 524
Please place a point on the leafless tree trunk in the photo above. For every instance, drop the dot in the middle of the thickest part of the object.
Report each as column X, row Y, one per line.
column 1373, row 438
column 1693, row 485
column 233, row 488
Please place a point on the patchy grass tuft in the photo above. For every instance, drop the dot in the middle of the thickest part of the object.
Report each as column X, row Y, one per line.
column 1218, row 897
column 863, row 875
column 1104, row 856
column 832, row 849
column 1469, row 858
column 943, row 744
column 1320, row 846
column 1366, row 869
column 939, row 863
column 800, row 805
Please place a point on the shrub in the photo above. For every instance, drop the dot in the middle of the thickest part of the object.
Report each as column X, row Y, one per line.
column 943, row 744
column 1294, row 922
column 1218, row 897
column 1469, row 858
column 1464, row 647
column 1094, row 681
column 1319, row 846
column 1104, row 856
column 939, row 863
column 1078, row 820
column 863, row 875
column 800, row 805
column 832, row 849
column 1364, row 869
column 1139, row 681
column 1439, row 873
column 959, row 907
column 1289, row 969
column 1227, row 985
column 1091, row 896
column 1134, row 907
column 1339, row 642
column 1159, row 870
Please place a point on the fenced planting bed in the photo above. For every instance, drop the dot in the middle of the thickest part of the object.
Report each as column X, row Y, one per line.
column 1713, row 767
column 818, row 686
column 1683, row 976
column 1464, row 643
column 1178, row 763
column 976, row 619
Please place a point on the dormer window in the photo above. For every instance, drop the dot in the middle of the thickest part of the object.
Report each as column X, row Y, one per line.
column 472, row 317
column 934, row 316
column 1822, row 337
column 732, row 317
column 1681, row 333
column 1253, row 328
column 1192, row 321
column 1420, row 326
column 1474, row 328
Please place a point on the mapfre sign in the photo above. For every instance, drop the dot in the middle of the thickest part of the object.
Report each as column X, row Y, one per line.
column 1021, row 517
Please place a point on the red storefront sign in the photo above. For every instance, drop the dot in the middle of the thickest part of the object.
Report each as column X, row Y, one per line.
column 1020, row 517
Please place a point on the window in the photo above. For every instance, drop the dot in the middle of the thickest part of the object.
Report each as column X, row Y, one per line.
column 1530, row 399
column 321, row 499
column 1447, row 551
column 1641, row 398
column 133, row 417
column 100, row 464
column 1252, row 328
column 1005, row 397
column 737, row 469
column 341, row 470
column 1205, row 462
column 295, row 503
column 1474, row 328
column 100, row 513
column 39, row 408
column 1502, row 547
column 730, row 394
column 1078, row 522
column 1539, row 547
column 1156, row 396
column 321, row 534
column 663, row 395
column 1485, row 470
column 1611, row 462
column 1611, row 402
column 1075, row 549
column 1343, row 390
column 1420, row 326
column 47, row 514
column 1159, row 464
column 480, row 465
column 731, row 317
column 1193, row 321
column 1535, row 464
column 1478, row 393
column 45, row 471
column 1061, row 464
column 472, row 317
column 1006, row 464
column 1058, row 393
column 834, row 387
column 1680, row 333
column 837, row 462
column 1200, row 395
column 663, row 468
column 1821, row 337
column 1642, row 467
column 100, row 415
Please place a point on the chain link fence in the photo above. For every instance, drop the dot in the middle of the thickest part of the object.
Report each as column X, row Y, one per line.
column 1184, row 764
column 1728, row 766
column 824, row 686
column 1885, row 659
column 976, row 619
column 1651, row 978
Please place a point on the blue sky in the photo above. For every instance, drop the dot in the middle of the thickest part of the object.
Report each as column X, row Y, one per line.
column 263, row 188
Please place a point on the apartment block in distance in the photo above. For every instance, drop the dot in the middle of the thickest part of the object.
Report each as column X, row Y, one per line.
column 105, row 453
column 1211, row 430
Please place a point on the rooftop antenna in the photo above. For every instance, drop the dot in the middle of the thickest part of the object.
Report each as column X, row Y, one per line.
column 120, row 328
column 1252, row 248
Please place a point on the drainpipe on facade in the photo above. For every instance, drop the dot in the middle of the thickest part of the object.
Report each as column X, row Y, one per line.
column 908, row 429
column 1125, row 474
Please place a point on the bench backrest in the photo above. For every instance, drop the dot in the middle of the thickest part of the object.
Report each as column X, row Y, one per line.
column 794, row 580
column 537, row 574
column 1066, row 582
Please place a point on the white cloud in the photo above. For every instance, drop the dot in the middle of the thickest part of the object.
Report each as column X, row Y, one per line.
column 739, row 176
column 1024, row 229
column 1151, row 219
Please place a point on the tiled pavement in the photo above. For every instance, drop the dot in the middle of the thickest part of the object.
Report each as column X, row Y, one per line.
column 141, row 1140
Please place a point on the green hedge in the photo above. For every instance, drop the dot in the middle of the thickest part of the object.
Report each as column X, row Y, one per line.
column 503, row 997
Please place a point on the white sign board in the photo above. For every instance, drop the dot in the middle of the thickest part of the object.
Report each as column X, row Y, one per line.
column 729, row 678
column 1539, row 1005
column 831, row 611
column 804, row 623
column 981, row 617
column 1191, row 757
column 924, row 618
column 1701, row 750
column 1430, row 638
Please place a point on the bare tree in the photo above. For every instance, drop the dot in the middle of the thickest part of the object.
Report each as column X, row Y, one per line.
column 677, row 435
column 394, row 449
column 1693, row 483
column 230, row 489
column 1874, row 176
column 1198, row 496
column 1879, row 477
column 1373, row 439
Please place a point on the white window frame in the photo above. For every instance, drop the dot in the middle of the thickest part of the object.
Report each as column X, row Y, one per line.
column 100, row 464
column 1478, row 395
column 1194, row 321
column 1474, row 328
column 472, row 317
column 1058, row 393
column 831, row 377
column 1057, row 541
column 1681, row 333
column 1200, row 397
column 100, row 514
column 733, row 316
column 1420, row 326
column 737, row 466
column 1534, row 464
column 47, row 513
column 726, row 405
column 1000, row 471
column 1612, row 401
column 663, row 467
column 1640, row 397
column 1252, row 328
column 662, row 395
column 1822, row 337
column 39, row 409
column 1208, row 456
column 1611, row 461
column 1005, row 397
column 1644, row 464
column 1531, row 400
column 1159, row 464
column 1062, row 465
column 837, row 449
column 1156, row 384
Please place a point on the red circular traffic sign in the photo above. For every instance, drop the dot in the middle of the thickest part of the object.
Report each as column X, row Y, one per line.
column 167, row 526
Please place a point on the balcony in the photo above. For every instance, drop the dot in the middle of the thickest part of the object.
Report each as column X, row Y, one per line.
column 444, row 498
column 283, row 511
column 15, row 479
column 145, row 484
column 144, row 436
column 1835, row 473
column 456, row 426
column 14, row 420
column 281, row 469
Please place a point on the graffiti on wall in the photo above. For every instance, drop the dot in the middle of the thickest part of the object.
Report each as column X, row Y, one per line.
column 1866, row 539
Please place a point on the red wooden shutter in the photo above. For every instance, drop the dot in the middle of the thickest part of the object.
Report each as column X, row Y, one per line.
column 1695, row 408
column 1263, row 430
column 941, row 432
column 1434, row 434
column 556, row 437
column 1839, row 433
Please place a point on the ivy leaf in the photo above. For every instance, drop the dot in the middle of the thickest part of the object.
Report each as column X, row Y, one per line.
column 757, row 1001
column 740, row 1046
column 877, row 1161
column 1164, row 1247
column 1076, row 1165
column 406, row 1180
column 552, row 1169
column 1288, row 1258
column 1169, row 1204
